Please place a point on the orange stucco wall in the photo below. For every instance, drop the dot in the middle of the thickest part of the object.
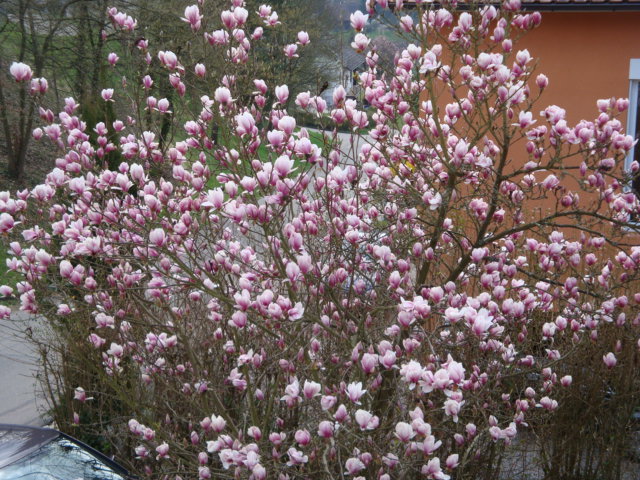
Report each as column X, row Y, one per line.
column 586, row 57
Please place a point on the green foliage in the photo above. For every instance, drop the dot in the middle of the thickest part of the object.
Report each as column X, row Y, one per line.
column 8, row 277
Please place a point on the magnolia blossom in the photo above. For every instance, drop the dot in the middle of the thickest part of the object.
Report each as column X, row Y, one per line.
column 404, row 432
column 366, row 420
column 311, row 389
column 358, row 20
column 193, row 17
column 303, row 38
column 353, row 466
column 355, row 392
column 282, row 93
column 610, row 360
column 360, row 43
column 482, row 321
column 222, row 95
column 291, row 50
column 107, row 94
column 6, row 222
column 296, row 457
column 21, row 72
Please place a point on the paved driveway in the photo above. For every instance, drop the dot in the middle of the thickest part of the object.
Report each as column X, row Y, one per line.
column 18, row 402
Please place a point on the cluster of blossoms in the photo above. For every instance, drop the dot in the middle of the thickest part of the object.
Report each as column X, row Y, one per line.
column 279, row 307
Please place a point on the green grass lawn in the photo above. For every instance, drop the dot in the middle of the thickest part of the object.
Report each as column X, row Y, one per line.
column 7, row 277
column 263, row 152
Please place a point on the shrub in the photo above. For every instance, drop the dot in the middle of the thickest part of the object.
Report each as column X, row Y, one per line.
column 395, row 311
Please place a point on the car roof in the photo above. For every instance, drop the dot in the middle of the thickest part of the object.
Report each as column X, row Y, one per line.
column 18, row 441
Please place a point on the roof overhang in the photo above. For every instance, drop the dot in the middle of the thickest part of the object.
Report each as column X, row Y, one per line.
column 556, row 6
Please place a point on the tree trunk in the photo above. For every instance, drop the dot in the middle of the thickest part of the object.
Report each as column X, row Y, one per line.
column 15, row 167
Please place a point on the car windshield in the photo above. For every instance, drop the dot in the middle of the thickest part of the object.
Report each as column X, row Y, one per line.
column 59, row 460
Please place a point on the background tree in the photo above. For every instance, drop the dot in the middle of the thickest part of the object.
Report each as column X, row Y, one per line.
column 27, row 34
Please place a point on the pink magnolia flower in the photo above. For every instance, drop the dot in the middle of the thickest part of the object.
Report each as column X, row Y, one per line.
column 303, row 437
column 465, row 21
column 325, row 429
column 369, row 362
column 115, row 350
column 200, row 70
column 228, row 19
column 193, row 17
column 287, row 124
column 548, row 403
column 452, row 461
column 296, row 457
column 303, row 99
column 482, row 321
column 360, row 42
column 550, row 182
column 168, row 59
column 404, row 432
column 452, row 408
column 328, row 401
column 292, row 393
column 96, row 340
column 21, row 72
column 39, row 86
column 433, row 470
column 222, row 95
column 525, row 119
column 358, row 20
column 241, row 14
column 80, row 395
column 218, row 423
column 6, row 222
column 366, row 420
column 291, row 50
column 311, row 389
column 282, row 93
column 272, row 20
column 455, row 370
column 542, row 81
column 429, row 62
column 388, row 360
column 283, row 165
column 355, row 392
column 303, row 38
column 609, row 360
column 406, row 23
column 412, row 373
column 341, row 414
column 162, row 450
column 264, row 11
column 257, row 34
column 353, row 466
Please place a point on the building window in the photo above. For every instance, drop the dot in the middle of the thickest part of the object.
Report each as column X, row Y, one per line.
column 633, row 119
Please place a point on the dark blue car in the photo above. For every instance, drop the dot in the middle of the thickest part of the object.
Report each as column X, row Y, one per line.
column 30, row 453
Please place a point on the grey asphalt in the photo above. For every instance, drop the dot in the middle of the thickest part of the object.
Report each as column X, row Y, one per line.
column 18, row 365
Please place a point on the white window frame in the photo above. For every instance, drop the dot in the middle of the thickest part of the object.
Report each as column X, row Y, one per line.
column 632, row 112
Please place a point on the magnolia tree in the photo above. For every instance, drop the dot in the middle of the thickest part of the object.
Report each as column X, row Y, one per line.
column 282, row 304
